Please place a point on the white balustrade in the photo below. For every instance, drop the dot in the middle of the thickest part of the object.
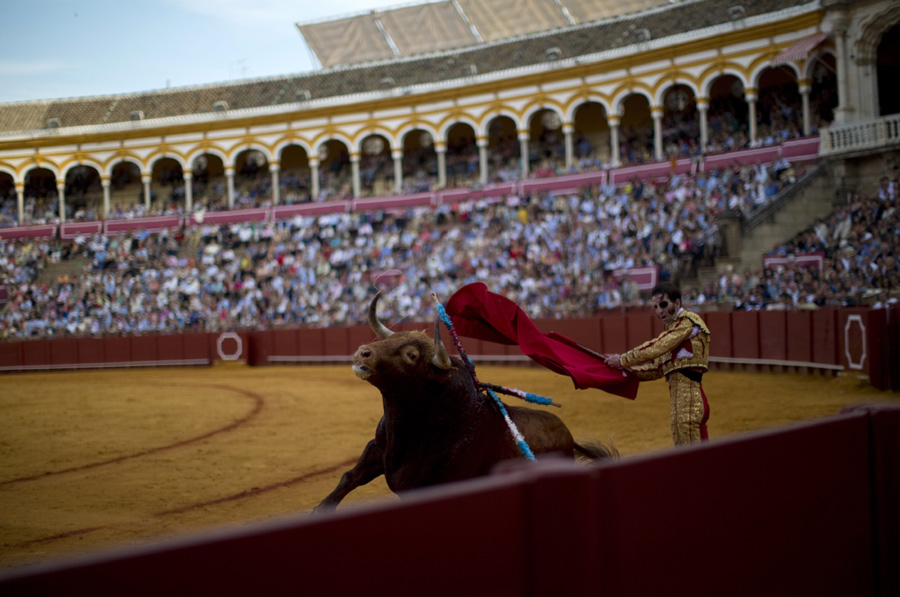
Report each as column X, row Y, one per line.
column 857, row 136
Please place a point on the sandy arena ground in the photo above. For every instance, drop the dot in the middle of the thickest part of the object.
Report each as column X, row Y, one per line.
column 91, row 460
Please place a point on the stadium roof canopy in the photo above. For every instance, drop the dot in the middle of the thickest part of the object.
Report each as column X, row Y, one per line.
column 449, row 24
column 485, row 58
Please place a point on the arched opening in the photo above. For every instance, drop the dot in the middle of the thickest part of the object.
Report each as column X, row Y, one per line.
column 779, row 109
column 9, row 207
column 209, row 187
column 503, row 149
column 591, row 142
column 125, row 189
column 888, row 69
column 166, row 186
column 376, row 170
column 727, row 115
column 823, row 97
column 294, row 176
column 41, row 197
column 462, row 155
column 335, row 173
column 680, row 126
column 252, row 181
column 546, row 145
column 419, row 161
column 84, row 193
column 636, row 130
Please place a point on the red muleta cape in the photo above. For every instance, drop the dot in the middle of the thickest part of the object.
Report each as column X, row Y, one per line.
column 478, row 313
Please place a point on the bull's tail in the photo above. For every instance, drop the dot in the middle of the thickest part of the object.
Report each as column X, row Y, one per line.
column 594, row 450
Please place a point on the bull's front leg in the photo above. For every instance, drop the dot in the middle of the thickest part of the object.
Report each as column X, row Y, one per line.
column 369, row 466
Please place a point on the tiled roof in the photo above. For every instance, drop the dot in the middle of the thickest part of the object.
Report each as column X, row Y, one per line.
column 573, row 41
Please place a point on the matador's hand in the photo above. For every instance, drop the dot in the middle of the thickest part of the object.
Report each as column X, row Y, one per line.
column 613, row 361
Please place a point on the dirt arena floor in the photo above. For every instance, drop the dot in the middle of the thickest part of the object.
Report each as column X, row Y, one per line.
column 92, row 460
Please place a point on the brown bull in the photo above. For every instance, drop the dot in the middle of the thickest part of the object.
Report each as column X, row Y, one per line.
column 437, row 427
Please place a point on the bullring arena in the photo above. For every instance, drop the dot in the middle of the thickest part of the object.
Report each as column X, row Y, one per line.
column 184, row 274
column 103, row 459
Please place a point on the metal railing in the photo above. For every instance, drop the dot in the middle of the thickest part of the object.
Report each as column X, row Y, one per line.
column 769, row 209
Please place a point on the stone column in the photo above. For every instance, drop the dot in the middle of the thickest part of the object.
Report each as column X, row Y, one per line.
column 188, row 193
column 229, row 178
column 750, row 95
column 397, row 155
column 20, row 201
column 657, row 113
column 614, row 157
column 702, row 111
column 354, row 174
column 568, row 130
column 441, row 150
column 145, row 178
column 524, row 137
column 61, row 192
column 482, row 159
column 805, row 88
column 844, row 110
column 274, row 169
column 104, row 182
column 314, row 179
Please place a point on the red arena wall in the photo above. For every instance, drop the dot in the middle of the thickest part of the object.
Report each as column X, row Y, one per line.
column 805, row 510
column 864, row 341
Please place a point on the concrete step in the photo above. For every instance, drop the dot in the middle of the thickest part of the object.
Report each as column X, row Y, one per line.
column 70, row 267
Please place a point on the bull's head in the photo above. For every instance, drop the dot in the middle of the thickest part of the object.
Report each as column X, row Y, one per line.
column 400, row 352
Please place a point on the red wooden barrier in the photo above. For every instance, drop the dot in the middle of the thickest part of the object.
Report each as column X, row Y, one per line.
column 117, row 349
column 893, row 354
column 862, row 343
column 585, row 331
column 615, row 334
column 196, row 346
column 36, row 353
column 230, row 346
column 745, row 334
column 805, row 510
column 90, row 350
column 261, row 347
column 311, row 341
column 799, row 336
column 720, row 341
column 284, row 341
column 824, row 336
column 772, row 335
column 363, row 334
column 337, row 342
column 886, row 490
column 170, row 347
column 143, row 348
column 11, row 355
column 638, row 329
column 715, row 511
column 63, row 351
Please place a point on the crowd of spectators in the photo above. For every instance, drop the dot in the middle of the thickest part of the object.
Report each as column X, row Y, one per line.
column 553, row 255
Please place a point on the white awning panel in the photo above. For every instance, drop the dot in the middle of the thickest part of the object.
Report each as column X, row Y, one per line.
column 800, row 50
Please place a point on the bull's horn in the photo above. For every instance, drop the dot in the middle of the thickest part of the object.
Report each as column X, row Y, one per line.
column 379, row 328
column 441, row 359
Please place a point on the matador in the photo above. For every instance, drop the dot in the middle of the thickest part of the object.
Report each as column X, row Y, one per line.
column 681, row 355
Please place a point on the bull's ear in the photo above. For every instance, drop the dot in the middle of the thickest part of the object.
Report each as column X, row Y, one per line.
column 441, row 359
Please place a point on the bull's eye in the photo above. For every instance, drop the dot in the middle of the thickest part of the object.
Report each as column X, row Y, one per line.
column 411, row 355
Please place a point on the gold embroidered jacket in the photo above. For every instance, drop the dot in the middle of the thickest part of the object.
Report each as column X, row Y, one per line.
column 684, row 344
